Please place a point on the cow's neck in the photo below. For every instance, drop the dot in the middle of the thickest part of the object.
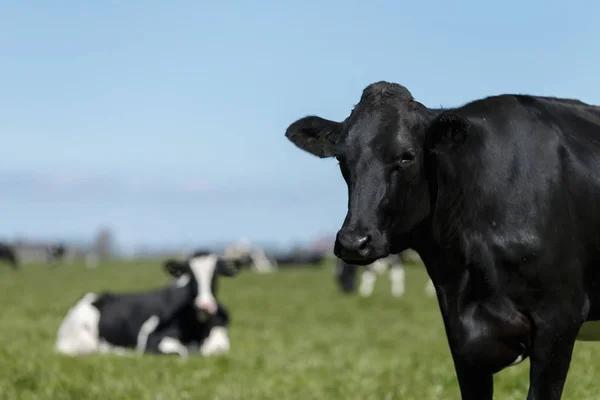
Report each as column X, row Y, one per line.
column 178, row 295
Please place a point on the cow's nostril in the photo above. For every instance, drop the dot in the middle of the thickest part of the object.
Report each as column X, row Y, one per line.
column 353, row 245
column 363, row 242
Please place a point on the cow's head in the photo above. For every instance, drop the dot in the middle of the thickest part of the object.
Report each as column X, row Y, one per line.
column 380, row 152
column 200, row 272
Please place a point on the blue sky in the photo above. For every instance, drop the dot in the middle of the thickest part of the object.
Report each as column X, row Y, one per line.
column 165, row 120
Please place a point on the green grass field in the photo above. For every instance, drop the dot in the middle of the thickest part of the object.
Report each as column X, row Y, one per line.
column 293, row 336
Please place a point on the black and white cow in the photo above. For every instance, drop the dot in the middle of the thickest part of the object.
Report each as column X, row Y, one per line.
column 255, row 257
column 346, row 276
column 169, row 320
column 499, row 198
column 8, row 255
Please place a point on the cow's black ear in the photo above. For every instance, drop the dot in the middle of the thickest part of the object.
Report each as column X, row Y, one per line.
column 227, row 267
column 315, row 135
column 174, row 268
column 447, row 131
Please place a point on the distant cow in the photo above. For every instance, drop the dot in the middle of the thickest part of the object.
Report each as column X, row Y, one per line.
column 312, row 259
column 7, row 254
column 259, row 261
column 346, row 276
column 55, row 252
column 169, row 320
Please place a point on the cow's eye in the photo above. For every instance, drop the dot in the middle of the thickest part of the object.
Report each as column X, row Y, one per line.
column 408, row 156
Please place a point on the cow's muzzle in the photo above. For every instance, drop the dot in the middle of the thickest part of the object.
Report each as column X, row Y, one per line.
column 358, row 248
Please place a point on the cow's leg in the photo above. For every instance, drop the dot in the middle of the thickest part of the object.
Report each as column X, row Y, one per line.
column 473, row 384
column 147, row 328
column 550, row 360
column 169, row 345
column 486, row 337
column 367, row 283
column 397, row 279
column 216, row 343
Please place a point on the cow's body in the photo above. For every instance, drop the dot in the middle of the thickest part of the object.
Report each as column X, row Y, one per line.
column 514, row 187
column 168, row 320
column 346, row 276
column 498, row 198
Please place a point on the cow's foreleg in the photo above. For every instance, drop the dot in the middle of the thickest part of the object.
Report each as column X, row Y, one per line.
column 169, row 345
column 397, row 279
column 550, row 360
column 216, row 343
column 367, row 283
column 485, row 338
column 474, row 385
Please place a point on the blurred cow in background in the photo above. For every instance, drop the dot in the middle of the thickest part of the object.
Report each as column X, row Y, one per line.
column 259, row 261
column 180, row 318
column 346, row 276
column 303, row 258
column 55, row 253
column 8, row 255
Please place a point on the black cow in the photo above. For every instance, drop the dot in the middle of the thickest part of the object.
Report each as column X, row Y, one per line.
column 7, row 254
column 168, row 320
column 498, row 198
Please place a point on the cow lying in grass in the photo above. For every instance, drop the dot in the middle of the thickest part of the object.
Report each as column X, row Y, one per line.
column 175, row 319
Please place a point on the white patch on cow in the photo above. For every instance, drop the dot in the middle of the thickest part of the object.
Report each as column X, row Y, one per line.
column 78, row 333
column 203, row 269
column 216, row 343
column 169, row 345
column 589, row 332
column 367, row 283
column 146, row 329
column 518, row 360
column 183, row 280
column 397, row 279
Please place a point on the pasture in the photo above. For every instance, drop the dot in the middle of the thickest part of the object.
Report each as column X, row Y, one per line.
column 293, row 336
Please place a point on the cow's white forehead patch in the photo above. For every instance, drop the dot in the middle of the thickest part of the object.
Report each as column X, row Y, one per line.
column 204, row 266
column 203, row 269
